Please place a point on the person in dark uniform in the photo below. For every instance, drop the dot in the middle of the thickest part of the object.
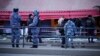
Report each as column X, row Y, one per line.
column 15, row 20
column 90, row 25
column 34, row 29
column 29, row 38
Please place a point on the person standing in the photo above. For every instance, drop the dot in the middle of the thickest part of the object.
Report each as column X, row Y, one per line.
column 90, row 28
column 35, row 29
column 61, row 31
column 78, row 25
column 15, row 20
column 69, row 30
column 30, row 19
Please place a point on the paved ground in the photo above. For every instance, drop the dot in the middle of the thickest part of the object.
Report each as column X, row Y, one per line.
column 49, row 51
column 50, row 48
column 29, row 55
column 78, row 43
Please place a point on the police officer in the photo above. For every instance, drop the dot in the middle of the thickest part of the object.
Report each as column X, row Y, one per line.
column 69, row 30
column 15, row 24
column 35, row 29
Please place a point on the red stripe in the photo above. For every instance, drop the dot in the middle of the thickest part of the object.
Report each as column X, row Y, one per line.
column 45, row 15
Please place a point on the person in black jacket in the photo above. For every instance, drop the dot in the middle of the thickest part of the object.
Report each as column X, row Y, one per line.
column 90, row 25
column 61, row 30
column 30, row 19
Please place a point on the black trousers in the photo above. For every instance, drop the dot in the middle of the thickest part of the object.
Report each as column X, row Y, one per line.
column 63, row 40
column 91, row 34
column 29, row 38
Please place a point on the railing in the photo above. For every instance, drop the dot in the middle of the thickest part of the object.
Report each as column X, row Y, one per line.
column 81, row 33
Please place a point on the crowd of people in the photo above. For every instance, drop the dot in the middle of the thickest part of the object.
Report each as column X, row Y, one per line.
column 69, row 30
column 77, row 27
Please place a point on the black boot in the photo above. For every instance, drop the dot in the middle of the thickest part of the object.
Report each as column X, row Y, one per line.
column 72, row 46
column 34, row 46
column 92, row 40
column 30, row 39
column 62, row 46
column 27, row 39
column 89, row 40
column 13, row 45
column 17, row 45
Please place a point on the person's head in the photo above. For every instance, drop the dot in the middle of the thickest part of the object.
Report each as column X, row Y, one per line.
column 30, row 15
column 89, row 16
column 15, row 10
column 60, row 20
column 36, row 13
column 71, row 19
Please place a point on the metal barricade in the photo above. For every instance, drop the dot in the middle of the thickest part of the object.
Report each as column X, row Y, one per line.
column 49, row 31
